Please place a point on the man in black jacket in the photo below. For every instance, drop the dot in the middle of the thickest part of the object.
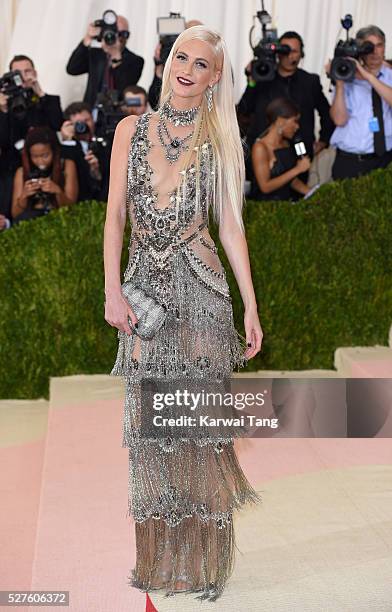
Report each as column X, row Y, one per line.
column 42, row 109
column 92, row 162
column 294, row 83
column 108, row 67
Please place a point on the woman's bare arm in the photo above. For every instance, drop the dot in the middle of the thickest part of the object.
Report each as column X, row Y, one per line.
column 19, row 200
column 236, row 249
column 71, row 185
column 116, row 309
column 261, row 169
column 299, row 186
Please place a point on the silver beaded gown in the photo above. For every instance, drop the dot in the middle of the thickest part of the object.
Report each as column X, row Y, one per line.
column 182, row 493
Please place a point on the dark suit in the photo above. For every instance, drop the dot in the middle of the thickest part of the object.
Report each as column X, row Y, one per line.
column 303, row 88
column 89, row 187
column 93, row 60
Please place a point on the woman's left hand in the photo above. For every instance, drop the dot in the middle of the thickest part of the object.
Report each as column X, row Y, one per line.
column 253, row 331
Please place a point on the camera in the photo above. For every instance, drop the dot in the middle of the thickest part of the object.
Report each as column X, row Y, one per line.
column 97, row 144
column 19, row 98
column 168, row 29
column 131, row 102
column 81, row 128
column 263, row 65
column 108, row 25
column 342, row 68
column 109, row 113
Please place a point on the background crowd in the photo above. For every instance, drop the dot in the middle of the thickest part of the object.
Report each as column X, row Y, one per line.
column 52, row 157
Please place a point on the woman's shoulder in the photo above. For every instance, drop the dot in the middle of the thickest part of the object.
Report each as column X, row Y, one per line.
column 260, row 146
column 128, row 125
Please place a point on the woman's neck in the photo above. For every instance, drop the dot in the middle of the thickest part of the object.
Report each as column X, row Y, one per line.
column 180, row 103
column 275, row 140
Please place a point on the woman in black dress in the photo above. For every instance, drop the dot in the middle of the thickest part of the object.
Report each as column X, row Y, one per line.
column 44, row 181
column 275, row 164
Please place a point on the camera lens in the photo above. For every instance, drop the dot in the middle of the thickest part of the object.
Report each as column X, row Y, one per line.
column 81, row 127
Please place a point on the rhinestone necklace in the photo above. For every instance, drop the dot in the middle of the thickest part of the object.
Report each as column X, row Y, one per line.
column 175, row 145
column 176, row 116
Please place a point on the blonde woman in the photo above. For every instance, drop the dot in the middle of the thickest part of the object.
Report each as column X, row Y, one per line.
column 168, row 168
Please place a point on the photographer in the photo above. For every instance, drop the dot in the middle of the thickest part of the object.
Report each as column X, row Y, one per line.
column 362, row 111
column 275, row 165
column 45, row 180
column 155, row 87
column 292, row 82
column 135, row 100
column 112, row 66
column 91, row 159
column 23, row 104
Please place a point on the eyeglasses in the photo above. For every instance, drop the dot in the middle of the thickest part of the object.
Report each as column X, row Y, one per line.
column 124, row 34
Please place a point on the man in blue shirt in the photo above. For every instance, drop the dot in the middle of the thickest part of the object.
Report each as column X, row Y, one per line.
column 362, row 112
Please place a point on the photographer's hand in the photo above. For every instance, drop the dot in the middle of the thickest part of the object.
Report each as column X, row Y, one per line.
column 318, row 146
column 362, row 72
column 94, row 165
column 32, row 83
column 3, row 103
column 92, row 32
column 67, row 130
column 158, row 67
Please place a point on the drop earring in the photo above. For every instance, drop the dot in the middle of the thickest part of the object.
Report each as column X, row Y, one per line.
column 209, row 91
column 280, row 130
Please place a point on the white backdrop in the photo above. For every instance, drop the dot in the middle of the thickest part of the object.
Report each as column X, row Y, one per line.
column 48, row 30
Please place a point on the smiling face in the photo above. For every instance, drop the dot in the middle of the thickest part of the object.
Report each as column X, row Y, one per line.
column 192, row 70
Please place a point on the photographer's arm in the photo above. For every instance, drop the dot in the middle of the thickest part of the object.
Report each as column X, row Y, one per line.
column 78, row 62
column 326, row 124
column 385, row 91
column 51, row 106
column 338, row 110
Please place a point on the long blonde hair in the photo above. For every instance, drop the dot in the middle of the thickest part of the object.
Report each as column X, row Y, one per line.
column 219, row 126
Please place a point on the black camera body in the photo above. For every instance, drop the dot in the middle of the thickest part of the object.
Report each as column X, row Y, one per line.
column 168, row 29
column 264, row 65
column 19, row 98
column 342, row 67
column 109, row 29
column 109, row 114
column 81, row 128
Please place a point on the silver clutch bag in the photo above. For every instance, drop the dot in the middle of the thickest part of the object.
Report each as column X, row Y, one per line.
column 150, row 313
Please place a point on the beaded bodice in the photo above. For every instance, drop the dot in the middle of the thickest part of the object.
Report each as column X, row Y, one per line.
column 159, row 231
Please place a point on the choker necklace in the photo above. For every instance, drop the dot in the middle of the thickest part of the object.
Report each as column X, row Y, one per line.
column 176, row 116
